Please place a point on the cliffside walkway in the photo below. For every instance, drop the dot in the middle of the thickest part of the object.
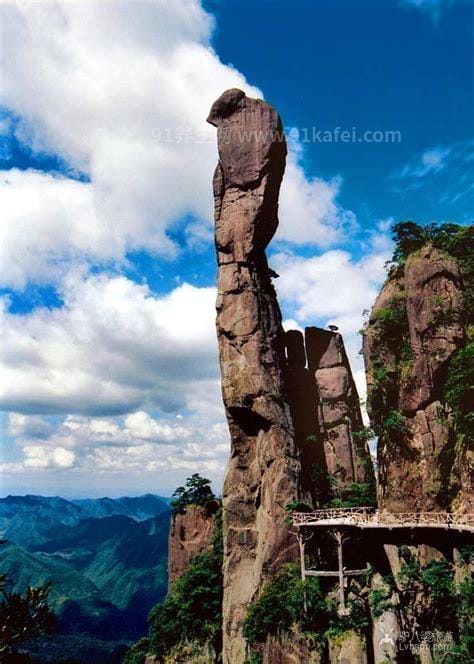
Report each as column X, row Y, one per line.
column 340, row 519
column 368, row 517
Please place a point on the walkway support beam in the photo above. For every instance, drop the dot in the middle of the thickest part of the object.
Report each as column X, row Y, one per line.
column 340, row 569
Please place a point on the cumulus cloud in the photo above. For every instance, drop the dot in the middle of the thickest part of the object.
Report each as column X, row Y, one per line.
column 115, row 90
column 137, row 443
column 45, row 217
column 30, row 426
column 40, row 456
column 112, row 348
column 309, row 211
column 120, row 92
column 334, row 288
column 331, row 287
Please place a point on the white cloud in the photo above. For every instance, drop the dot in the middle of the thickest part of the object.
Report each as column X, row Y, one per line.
column 144, row 427
column 330, row 287
column 334, row 288
column 46, row 217
column 31, row 426
column 430, row 162
column 309, row 212
column 40, row 456
column 138, row 443
column 112, row 348
column 121, row 91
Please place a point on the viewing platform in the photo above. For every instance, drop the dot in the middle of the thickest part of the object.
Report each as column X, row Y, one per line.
column 338, row 520
column 369, row 517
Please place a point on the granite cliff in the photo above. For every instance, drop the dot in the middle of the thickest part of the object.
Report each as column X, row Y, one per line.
column 418, row 353
column 263, row 471
column 415, row 329
column 191, row 533
column 325, row 409
column 291, row 402
column 298, row 442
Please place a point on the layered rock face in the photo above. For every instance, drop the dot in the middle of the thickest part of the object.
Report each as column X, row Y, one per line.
column 414, row 329
column 263, row 471
column 190, row 533
column 326, row 414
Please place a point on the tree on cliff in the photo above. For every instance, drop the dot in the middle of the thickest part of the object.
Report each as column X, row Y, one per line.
column 22, row 617
column 196, row 491
column 191, row 614
column 453, row 239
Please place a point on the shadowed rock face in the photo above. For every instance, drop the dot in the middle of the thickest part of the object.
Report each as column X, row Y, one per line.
column 326, row 413
column 419, row 465
column 263, row 471
column 190, row 533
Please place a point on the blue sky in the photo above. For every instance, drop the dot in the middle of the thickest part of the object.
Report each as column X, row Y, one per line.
column 374, row 65
column 108, row 357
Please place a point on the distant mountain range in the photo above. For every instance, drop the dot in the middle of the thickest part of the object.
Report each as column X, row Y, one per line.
column 30, row 520
column 106, row 559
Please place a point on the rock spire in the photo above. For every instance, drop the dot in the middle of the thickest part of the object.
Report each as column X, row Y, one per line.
column 263, row 472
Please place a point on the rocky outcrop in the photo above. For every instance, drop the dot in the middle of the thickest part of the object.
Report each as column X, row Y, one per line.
column 326, row 414
column 191, row 653
column 190, row 533
column 186, row 653
column 293, row 648
column 414, row 329
column 349, row 647
column 385, row 626
column 263, row 471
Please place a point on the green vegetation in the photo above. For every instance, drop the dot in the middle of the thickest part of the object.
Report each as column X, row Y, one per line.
column 138, row 652
column 23, row 616
column 380, row 599
column 379, row 376
column 430, row 600
column 295, row 507
column 437, row 575
column 363, row 435
column 192, row 610
column 459, row 388
column 428, row 593
column 455, row 240
column 196, row 491
column 465, row 613
column 281, row 605
column 395, row 423
column 393, row 319
column 298, row 507
column 355, row 619
column 391, row 327
column 467, row 553
column 361, row 494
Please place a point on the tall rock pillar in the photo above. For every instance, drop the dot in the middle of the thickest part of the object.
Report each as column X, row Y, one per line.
column 262, row 473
